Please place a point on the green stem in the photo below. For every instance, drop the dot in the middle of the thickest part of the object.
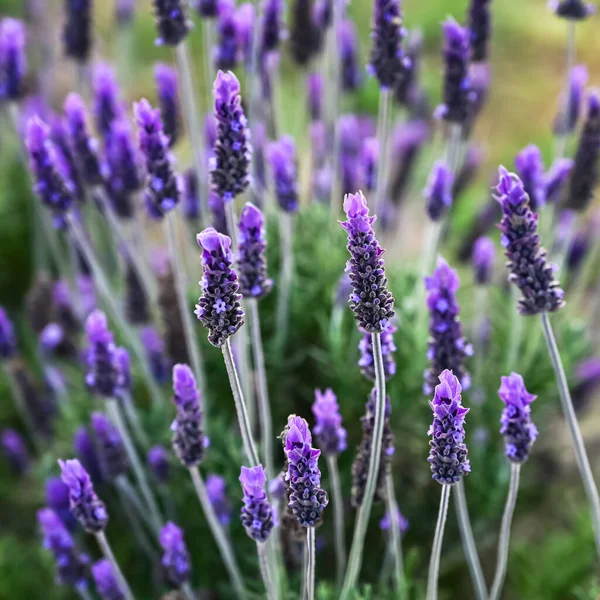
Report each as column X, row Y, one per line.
column 383, row 136
column 310, row 563
column 108, row 554
column 338, row 517
column 395, row 542
column 187, row 591
column 436, row 551
column 271, row 590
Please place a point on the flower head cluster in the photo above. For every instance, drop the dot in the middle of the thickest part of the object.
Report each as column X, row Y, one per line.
column 407, row 142
column 165, row 78
column 518, row 430
column 401, row 521
column 438, row 192
column 369, row 158
column 570, row 106
column 86, row 507
column 347, row 40
column 171, row 22
column 171, row 317
column 282, row 158
column 77, row 32
column 162, row 190
column 158, row 461
column 189, row 442
column 252, row 261
column 447, row 346
column 307, row 499
column 215, row 488
column 388, row 347
column 529, row 268
column 109, row 445
column 107, row 586
column 15, row 450
column 244, row 24
column 190, row 197
column 206, row 8
column 575, row 10
column 315, row 85
column 330, row 434
column 484, row 255
column 231, row 162
column 448, row 452
column 304, row 33
column 530, row 168
column 360, row 466
column 107, row 106
column 219, row 307
column 226, row 51
column 85, row 450
column 13, row 59
column 155, row 353
column 72, row 568
column 57, row 498
column 480, row 25
column 272, row 29
column 103, row 375
column 371, row 301
column 257, row 515
column 556, row 178
column 176, row 559
column 8, row 344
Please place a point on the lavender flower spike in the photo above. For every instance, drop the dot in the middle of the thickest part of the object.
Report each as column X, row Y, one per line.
column 331, row 436
column 573, row 10
column 72, row 569
column 252, row 262
column 272, row 30
column 282, row 158
column 231, row 163
column 565, row 124
column 215, row 488
column 13, row 59
column 556, row 178
column 155, row 353
column 107, row 586
column 448, row 453
column 8, row 344
column 257, row 515
column 189, row 442
column 307, row 499
column 484, row 254
column 530, row 270
column 347, row 39
column 15, row 451
column 168, row 96
column 480, row 26
column 531, row 171
column 77, row 32
column 158, row 461
column 171, row 22
column 86, row 507
column 176, row 560
column 219, row 307
column 518, row 430
column 314, row 84
column 107, row 100
column 447, row 346
column 111, row 452
column 438, row 193
column 226, row 51
column 162, row 189
column 388, row 347
column 103, row 374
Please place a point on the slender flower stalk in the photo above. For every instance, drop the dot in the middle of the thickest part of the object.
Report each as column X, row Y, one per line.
column 436, row 550
column 310, row 563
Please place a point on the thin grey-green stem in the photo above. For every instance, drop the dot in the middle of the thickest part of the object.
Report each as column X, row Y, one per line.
column 577, row 439
column 101, row 282
column 264, row 407
column 240, row 405
column 436, row 550
column 187, row 592
column 503, row 542
column 364, row 512
column 286, row 273
column 395, row 542
column 114, row 412
column 338, row 516
column 468, row 542
column 208, row 26
column 232, row 225
column 133, row 419
column 384, row 126
column 272, row 593
column 310, row 563
column 218, row 533
column 190, row 116
column 191, row 339
column 304, row 563
column 83, row 593
column 108, row 554
column 516, row 331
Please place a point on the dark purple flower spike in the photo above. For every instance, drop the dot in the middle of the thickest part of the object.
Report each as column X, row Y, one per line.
column 176, row 559
column 282, row 159
column 438, row 192
column 77, row 32
column 388, row 347
column 257, row 515
column 13, row 59
column 107, row 104
column 103, row 375
column 484, row 255
column 530, row 169
column 165, row 78
column 107, row 586
column 480, row 29
column 573, row 10
column 171, row 22
column 330, row 434
column 8, row 344
column 15, row 451
column 109, row 445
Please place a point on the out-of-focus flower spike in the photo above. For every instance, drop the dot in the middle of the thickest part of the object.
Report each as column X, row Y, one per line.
column 158, row 461
column 530, row 168
column 406, row 88
column 155, row 351
column 165, row 78
column 304, row 33
column 176, row 559
column 85, row 450
column 556, row 178
column 215, row 488
column 328, row 430
column 347, row 38
column 573, row 101
column 272, row 27
column 124, row 12
column 484, row 256
column 8, row 344
column 107, row 103
column 226, row 52
column 438, row 192
column 57, row 498
column 13, row 59
column 77, row 31
column 244, row 20
column 480, row 29
column 109, row 445
column 282, row 158
column 574, row 10
column 171, row 22
column 15, row 450
column 107, row 586
column 314, row 84
column 469, row 170
column 407, row 143
column 386, row 522
column 103, row 374
column 388, row 347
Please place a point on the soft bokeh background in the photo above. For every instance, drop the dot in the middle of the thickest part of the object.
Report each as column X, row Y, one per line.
column 552, row 550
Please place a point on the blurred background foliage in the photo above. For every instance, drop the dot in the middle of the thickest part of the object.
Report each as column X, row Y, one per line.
column 552, row 554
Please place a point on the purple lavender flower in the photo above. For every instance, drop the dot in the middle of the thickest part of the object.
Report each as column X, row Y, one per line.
column 386, row 522
column 124, row 12
column 86, row 507
column 103, row 373
column 13, row 59
column 448, row 348
column 556, row 178
column 322, row 17
column 331, row 436
column 109, row 445
column 387, row 62
column 408, row 140
column 136, row 306
column 530, row 270
column 72, row 568
column 272, row 29
column 438, row 192
column 57, row 498
column 226, row 52
column 84, row 146
column 165, row 78
column 458, row 95
column 362, row 459
column 206, row 8
column 282, row 158
column 307, row 499
column 107, row 105
column 518, row 430
column 350, row 145
column 406, row 90
column 367, row 363
column 155, row 353
column 257, row 513
column 244, row 26
column 577, row 82
column 467, row 174
column 448, row 452
column 107, row 586
column 584, row 176
column 314, row 84
column 574, row 10
column 77, row 31
column 158, row 461
column 15, row 451
column 215, row 488
column 480, row 25
column 65, row 160
column 530, row 169
column 252, row 262
column 370, row 300
column 56, row 192
column 369, row 157
column 171, row 22
column 188, row 435
column 190, row 196
column 176, row 559
column 304, row 34
column 484, row 255
column 588, row 379
column 229, row 168
column 86, row 452
column 219, row 307
column 8, row 344
column 347, row 40
column 87, row 293
column 53, row 339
